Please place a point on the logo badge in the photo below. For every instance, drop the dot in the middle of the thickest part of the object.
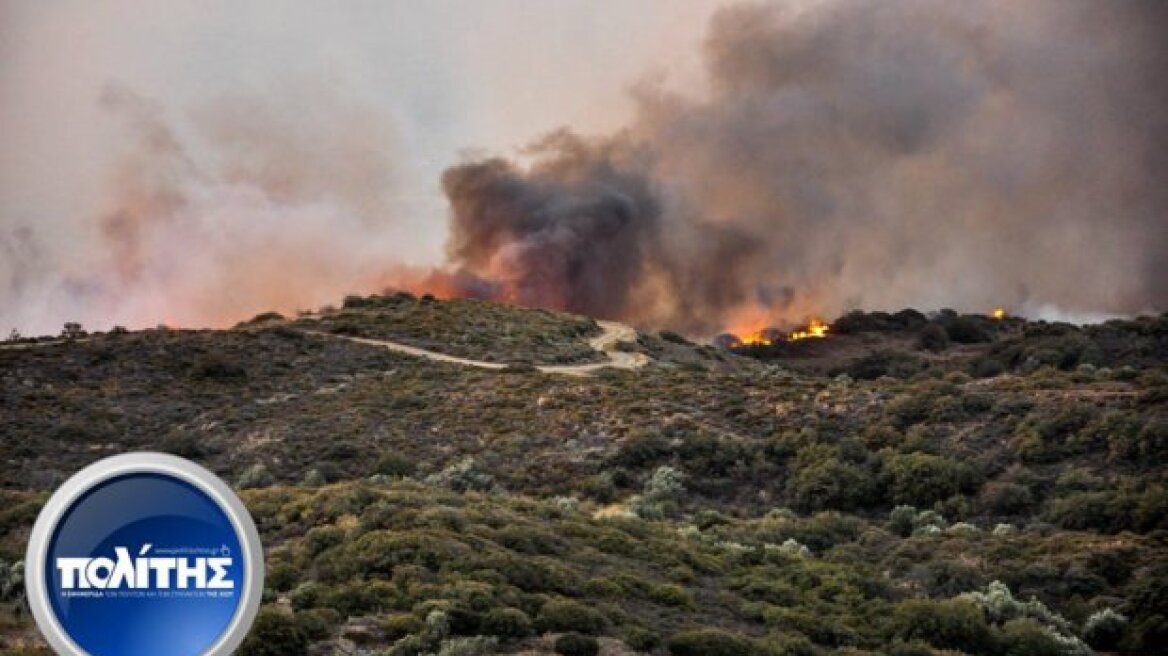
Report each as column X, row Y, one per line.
column 144, row 554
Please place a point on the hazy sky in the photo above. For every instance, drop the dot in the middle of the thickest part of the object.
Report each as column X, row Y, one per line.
column 433, row 79
column 443, row 75
column 195, row 163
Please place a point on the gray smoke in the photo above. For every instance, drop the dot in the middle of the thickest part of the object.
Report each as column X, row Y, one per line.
column 852, row 154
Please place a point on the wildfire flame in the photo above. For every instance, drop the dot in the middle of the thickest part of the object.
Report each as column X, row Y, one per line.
column 755, row 339
column 815, row 329
column 998, row 313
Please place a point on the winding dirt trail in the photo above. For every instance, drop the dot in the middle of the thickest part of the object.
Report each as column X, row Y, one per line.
column 612, row 334
column 20, row 346
column 606, row 342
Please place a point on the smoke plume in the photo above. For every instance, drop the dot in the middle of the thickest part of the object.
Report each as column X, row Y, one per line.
column 851, row 154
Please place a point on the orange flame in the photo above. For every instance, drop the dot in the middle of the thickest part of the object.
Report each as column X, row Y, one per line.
column 816, row 328
column 757, row 338
column 998, row 313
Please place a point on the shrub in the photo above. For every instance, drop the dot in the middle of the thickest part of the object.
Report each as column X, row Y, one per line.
column 1103, row 629
column 507, row 623
column 640, row 638
column 933, row 338
column 999, row 606
column 830, row 484
column 986, row 367
column 574, row 644
column 182, row 444
column 400, row 625
column 950, row 624
column 393, row 464
column 923, row 479
column 264, row 317
column 902, row 520
column 472, row 646
column 666, row 484
column 217, row 367
column 664, row 490
column 967, row 330
column 73, row 330
column 669, row 594
column 1006, row 498
column 274, row 633
column 566, row 615
column 318, row 623
column 256, row 476
column 897, row 364
column 1026, row 637
column 710, row 642
column 463, row 476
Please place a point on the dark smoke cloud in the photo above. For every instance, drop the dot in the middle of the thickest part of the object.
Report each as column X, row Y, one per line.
column 875, row 154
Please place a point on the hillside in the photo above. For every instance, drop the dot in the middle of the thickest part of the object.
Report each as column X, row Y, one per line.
column 871, row 492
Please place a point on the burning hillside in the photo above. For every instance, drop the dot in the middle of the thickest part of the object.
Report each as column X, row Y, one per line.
column 815, row 329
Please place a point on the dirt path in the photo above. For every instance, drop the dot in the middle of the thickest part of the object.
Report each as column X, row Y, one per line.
column 612, row 334
column 606, row 342
column 20, row 346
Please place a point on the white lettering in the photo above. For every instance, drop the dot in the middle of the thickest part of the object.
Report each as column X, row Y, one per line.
column 71, row 570
column 143, row 572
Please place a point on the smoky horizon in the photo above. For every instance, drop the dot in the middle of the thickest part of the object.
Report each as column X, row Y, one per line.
column 700, row 166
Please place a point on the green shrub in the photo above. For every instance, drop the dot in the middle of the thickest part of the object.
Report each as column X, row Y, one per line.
column 183, row 444
column 933, row 337
column 507, row 623
column 901, row 521
column 393, row 464
column 830, row 484
column 275, row 633
column 318, row 623
column 462, row 476
column 256, row 476
column 967, row 330
column 669, row 594
column 574, row 644
column 1104, row 629
column 640, row 638
column 603, row 587
column 922, row 479
column 1006, row 498
column 567, row 615
column 400, row 625
column 897, row 364
column 951, row 624
column 710, row 642
column 1026, row 637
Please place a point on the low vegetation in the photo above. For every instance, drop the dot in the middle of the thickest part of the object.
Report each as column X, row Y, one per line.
column 706, row 504
column 464, row 328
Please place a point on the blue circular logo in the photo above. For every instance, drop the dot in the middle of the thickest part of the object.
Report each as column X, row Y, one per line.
column 144, row 555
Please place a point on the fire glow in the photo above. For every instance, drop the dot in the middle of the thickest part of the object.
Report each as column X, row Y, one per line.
column 815, row 329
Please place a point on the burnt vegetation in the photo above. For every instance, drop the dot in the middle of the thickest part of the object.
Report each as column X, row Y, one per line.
column 871, row 345
column 872, row 492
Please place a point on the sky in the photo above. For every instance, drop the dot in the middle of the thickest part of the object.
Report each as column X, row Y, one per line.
column 430, row 82
column 695, row 164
